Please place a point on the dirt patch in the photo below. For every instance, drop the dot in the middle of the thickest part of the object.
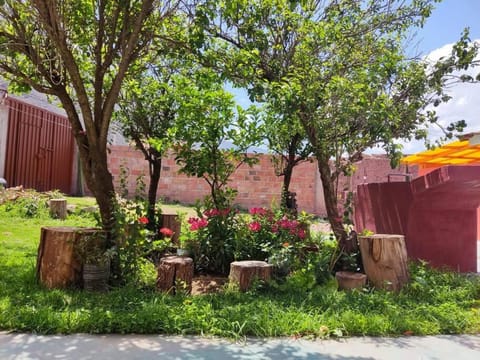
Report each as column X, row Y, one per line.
column 207, row 284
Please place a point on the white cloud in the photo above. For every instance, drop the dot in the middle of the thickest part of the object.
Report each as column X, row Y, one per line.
column 464, row 104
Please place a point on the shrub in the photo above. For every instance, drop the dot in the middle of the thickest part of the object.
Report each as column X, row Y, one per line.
column 215, row 239
column 273, row 235
column 135, row 243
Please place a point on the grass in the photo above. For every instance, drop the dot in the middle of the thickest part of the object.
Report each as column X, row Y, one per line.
column 87, row 201
column 433, row 303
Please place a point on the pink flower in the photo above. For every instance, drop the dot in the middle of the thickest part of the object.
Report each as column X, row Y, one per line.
column 197, row 223
column 258, row 211
column 287, row 224
column 225, row 212
column 143, row 220
column 211, row 212
column 301, row 233
column 166, row 232
column 216, row 212
column 284, row 223
column 255, row 226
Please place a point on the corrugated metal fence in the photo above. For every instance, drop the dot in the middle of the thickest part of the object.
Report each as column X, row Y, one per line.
column 39, row 148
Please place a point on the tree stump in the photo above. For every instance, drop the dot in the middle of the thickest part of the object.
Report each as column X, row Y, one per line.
column 245, row 272
column 172, row 222
column 384, row 259
column 57, row 265
column 58, row 208
column 175, row 274
column 348, row 280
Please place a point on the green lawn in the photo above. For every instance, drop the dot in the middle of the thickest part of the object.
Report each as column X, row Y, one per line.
column 87, row 201
column 434, row 302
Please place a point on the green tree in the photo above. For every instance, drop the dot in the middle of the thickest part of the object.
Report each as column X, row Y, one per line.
column 344, row 74
column 147, row 111
column 80, row 52
column 213, row 135
column 288, row 144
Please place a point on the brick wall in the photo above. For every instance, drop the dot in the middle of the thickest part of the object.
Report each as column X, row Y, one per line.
column 257, row 185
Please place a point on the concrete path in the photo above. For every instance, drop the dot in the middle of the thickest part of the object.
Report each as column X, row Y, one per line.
column 119, row 347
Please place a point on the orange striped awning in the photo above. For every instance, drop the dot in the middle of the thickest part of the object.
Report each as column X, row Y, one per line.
column 462, row 152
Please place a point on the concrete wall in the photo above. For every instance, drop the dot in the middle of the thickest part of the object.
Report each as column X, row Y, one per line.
column 257, row 186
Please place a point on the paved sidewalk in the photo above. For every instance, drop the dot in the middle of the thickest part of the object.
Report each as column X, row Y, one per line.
column 119, row 347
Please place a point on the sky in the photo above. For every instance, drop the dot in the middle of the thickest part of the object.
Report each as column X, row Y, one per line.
column 442, row 29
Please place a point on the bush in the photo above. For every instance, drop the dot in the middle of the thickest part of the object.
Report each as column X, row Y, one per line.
column 214, row 231
column 273, row 235
column 135, row 243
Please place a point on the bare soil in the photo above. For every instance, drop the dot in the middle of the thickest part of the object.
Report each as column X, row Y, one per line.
column 207, row 284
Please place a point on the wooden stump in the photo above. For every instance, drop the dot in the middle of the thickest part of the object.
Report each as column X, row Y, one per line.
column 174, row 274
column 348, row 280
column 58, row 208
column 384, row 259
column 57, row 265
column 172, row 222
column 244, row 272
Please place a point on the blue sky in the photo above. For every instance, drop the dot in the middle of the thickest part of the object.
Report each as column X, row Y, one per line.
column 443, row 27
column 447, row 22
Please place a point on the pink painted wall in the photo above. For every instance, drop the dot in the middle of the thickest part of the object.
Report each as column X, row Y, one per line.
column 438, row 213
column 383, row 207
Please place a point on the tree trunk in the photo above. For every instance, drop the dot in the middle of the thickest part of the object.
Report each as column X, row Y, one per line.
column 175, row 274
column 172, row 222
column 288, row 170
column 287, row 179
column 155, row 169
column 58, row 208
column 245, row 272
column 100, row 181
column 348, row 245
column 385, row 260
column 57, row 263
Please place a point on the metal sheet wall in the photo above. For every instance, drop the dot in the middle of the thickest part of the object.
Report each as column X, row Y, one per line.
column 39, row 148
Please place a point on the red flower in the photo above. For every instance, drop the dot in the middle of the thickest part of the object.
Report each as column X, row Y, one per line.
column 143, row 220
column 216, row 212
column 301, row 233
column 225, row 212
column 255, row 226
column 284, row 223
column 258, row 211
column 211, row 212
column 166, row 232
column 197, row 223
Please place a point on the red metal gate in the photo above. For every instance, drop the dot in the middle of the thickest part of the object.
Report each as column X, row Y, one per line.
column 39, row 148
